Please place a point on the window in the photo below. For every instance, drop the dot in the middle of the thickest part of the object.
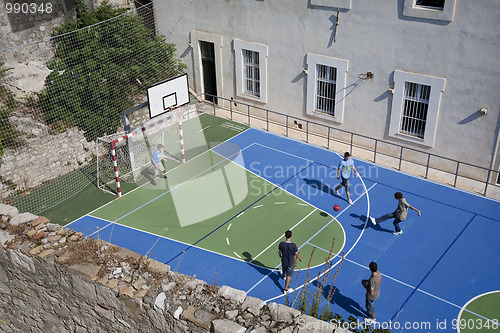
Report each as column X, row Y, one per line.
column 433, row 4
column 325, row 93
column 251, row 70
column 326, row 87
column 415, row 107
column 440, row 10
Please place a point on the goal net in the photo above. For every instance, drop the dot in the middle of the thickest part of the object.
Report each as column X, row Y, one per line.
column 126, row 157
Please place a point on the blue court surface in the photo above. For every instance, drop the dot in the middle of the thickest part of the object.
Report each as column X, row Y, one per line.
column 443, row 260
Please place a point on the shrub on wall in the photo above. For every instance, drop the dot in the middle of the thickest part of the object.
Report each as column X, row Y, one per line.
column 103, row 60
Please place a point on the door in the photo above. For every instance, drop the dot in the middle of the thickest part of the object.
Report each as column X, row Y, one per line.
column 208, row 68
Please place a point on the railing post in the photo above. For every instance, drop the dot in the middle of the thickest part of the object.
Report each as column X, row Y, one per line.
column 328, row 142
column 231, row 108
column 456, row 175
column 487, row 182
column 400, row 157
column 427, row 166
column 375, row 152
column 352, row 136
column 267, row 119
column 307, row 131
column 214, row 108
column 286, row 121
column 248, row 114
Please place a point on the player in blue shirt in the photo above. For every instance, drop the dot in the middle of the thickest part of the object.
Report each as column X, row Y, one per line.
column 345, row 166
column 156, row 160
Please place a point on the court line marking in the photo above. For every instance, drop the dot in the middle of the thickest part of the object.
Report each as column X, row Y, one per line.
column 281, row 237
column 472, row 300
column 434, row 266
column 324, row 149
column 203, row 129
column 140, row 186
column 284, row 152
column 409, row 286
column 177, row 186
column 347, row 253
column 258, row 206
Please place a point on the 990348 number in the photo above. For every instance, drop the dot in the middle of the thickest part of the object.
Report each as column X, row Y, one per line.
column 28, row 8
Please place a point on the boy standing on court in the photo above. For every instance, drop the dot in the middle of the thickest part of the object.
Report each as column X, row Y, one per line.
column 156, row 160
column 372, row 286
column 288, row 251
column 345, row 166
column 399, row 214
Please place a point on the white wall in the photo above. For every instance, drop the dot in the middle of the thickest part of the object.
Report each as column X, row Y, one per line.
column 374, row 36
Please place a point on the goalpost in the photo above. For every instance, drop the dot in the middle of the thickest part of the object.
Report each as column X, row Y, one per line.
column 127, row 156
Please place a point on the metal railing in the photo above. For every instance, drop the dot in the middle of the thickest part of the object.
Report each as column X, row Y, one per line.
column 454, row 170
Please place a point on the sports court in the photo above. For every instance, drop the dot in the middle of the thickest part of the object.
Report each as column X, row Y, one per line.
column 221, row 215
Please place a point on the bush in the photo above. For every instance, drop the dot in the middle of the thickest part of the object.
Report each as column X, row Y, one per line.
column 97, row 71
column 9, row 137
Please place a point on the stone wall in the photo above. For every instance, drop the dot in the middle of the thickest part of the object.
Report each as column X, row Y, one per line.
column 54, row 280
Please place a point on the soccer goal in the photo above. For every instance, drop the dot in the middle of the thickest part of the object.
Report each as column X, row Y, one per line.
column 126, row 157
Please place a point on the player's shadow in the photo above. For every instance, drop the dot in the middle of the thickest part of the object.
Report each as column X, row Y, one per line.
column 337, row 298
column 262, row 269
column 376, row 227
column 319, row 185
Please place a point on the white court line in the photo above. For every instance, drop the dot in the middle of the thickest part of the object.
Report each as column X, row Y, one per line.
column 315, row 209
column 346, row 254
column 169, row 171
column 204, row 128
column 237, row 254
column 301, row 204
column 240, row 214
column 227, row 241
column 470, row 301
column 258, row 206
column 178, row 185
column 229, row 226
column 284, row 152
column 406, row 284
column 280, row 203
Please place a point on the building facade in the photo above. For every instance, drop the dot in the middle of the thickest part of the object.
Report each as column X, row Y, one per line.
column 419, row 73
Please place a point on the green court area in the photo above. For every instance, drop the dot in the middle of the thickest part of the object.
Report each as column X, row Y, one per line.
column 75, row 194
column 214, row 203
column 474, row 318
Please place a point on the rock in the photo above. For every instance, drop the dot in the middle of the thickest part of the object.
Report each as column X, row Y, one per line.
column 22, row 260
column 236, row 296
column 178, row 313
column 168, row 286
column 22, row 218
column 309, row 324
column 9, row 211
column 46, row 253
column 282, row 313
column 231, row 314
column 160, row 302
column 39, row 220
column 5, row 236
column 195, row 283
column 200, row 318
column 157, row 267
column 88, row 270
column 226, row 326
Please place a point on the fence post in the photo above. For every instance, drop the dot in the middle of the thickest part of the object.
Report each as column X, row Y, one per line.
column 307, row 131
column 375, row 152
column 400, row 157
column 286, row 121
column 248, row 114
column 352, row 136
column 231, row 108
column 456, row 175
column 487, row 182
column 328, row 142
column 267, row 119
column 427, row 166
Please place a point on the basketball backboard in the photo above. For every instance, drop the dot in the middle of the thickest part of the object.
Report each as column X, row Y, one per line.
column 169, row 93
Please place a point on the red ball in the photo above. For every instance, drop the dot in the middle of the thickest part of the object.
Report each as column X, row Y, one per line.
column 336, row 208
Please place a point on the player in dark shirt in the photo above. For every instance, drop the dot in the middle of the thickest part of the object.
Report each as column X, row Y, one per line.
column 288, row 251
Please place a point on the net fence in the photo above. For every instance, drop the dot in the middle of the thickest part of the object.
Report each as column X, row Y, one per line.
column 89, row 72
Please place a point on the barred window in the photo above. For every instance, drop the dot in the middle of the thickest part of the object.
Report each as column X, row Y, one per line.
column 416, row 105
column 326, row 79
column 252, row 72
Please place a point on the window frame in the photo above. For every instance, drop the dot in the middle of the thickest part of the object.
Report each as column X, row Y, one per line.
column 262, row 50
column 411, row 9
column 437, row 85
column 342, row 65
